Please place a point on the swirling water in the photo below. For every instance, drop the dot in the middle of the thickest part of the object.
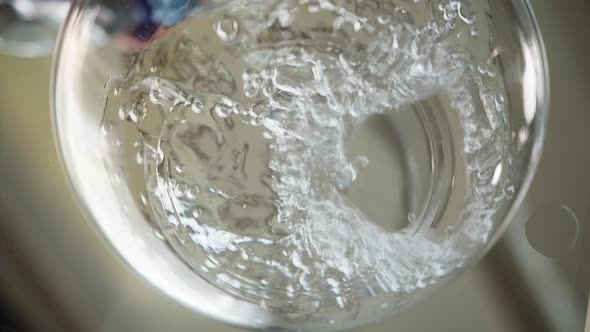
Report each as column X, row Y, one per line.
column 246, row 117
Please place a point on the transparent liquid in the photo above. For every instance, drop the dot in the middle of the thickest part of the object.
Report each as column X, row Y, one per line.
column 310, row 156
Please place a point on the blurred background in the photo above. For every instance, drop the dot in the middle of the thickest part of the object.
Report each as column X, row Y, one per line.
column 58, row 274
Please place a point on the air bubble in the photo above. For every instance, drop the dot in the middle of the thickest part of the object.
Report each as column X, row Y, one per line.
column 196, row 213
column 159, row 235
column 466, row 12
column 180, row 189
column 227, row 28
column 107, row 128
column 154, row 154
column 155, row 95
column 510, row 191
column 143, row 199
column 451, row 25
column 123, row 110
column 179, row 169
column 193, row 192
column 449, row 11
column 411, row 217
column 197, row 106
column 139, row 158
column 251, row 92
column 134, row 113
column 313, row 9
column 383, row 19
column 483, row 69
column 223, row 110
column 357, row 26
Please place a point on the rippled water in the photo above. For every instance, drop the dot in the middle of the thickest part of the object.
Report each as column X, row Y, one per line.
column 247, row 118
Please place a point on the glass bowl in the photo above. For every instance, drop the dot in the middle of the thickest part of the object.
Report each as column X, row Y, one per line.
column 300, row 165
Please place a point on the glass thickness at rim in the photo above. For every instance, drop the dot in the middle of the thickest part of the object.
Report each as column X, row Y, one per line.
column 531, row 39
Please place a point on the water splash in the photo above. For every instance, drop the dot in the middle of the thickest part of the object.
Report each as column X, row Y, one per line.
column 262, row 128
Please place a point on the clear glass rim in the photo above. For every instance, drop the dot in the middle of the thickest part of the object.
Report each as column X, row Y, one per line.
column 534, row 38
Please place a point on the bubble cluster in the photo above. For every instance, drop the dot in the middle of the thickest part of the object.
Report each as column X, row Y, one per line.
column 249, row 163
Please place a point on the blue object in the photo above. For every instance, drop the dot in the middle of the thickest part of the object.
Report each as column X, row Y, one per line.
column 168, row 12
column 156, row 13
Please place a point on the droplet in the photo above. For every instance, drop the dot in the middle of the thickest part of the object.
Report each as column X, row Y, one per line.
column 384, row 305
column 117, row 91
column 227, row 28
column 331, row 322
column 411, row 217
column 474, row 31
column 179, row 169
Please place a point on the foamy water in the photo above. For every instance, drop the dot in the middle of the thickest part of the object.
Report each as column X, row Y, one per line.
column 245, row 115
